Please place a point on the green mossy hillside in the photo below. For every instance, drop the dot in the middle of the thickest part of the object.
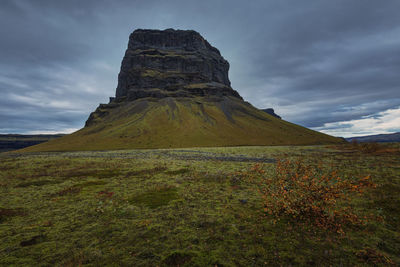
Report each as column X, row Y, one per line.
column 183, row 122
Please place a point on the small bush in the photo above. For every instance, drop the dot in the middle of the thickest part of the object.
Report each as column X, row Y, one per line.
column 5, row 213
column 369, row 147
column 90, row 183
column 151, row 171
column 374, row 148
column 37, row 183
column 305, row 194
column 178, row 258
column 374, row 257
column 33, row 241
column 105, row 194
column 68, row 191
column 177, row 172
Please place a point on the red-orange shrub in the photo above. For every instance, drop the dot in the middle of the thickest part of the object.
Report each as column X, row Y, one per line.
column 306, row 194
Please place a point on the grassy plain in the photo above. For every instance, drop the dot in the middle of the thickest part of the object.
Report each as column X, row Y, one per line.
column 185, row 207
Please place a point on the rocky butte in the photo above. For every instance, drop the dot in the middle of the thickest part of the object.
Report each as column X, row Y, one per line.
column 174, row 91
column 172, row 64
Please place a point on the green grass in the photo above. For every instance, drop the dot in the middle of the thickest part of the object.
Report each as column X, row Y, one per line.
column 171, row 207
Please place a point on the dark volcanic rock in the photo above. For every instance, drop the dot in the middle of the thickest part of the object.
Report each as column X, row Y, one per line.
column 172, row 63
column 271, row 111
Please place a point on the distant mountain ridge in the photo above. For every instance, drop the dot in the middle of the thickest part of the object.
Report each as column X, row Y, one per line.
column 16, row 141
column 380, row 138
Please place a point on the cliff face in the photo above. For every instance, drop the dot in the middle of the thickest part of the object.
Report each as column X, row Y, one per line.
column 172, row 63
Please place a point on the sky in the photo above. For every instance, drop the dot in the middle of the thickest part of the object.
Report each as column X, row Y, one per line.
column 332, row 66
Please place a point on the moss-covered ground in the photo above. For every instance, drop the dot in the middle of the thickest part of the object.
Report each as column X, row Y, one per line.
column 184, row 207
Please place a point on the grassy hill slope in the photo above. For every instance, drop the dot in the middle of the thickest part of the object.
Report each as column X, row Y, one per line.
column 182, row 122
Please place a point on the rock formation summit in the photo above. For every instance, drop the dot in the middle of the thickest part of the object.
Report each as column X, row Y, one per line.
column 174, row 91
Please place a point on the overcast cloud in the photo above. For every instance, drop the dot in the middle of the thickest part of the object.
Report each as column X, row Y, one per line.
column 332, row 65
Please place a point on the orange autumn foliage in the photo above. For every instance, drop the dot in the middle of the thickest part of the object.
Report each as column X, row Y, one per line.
column 306, row 194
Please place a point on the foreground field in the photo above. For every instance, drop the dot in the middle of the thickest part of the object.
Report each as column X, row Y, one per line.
column 194, row 207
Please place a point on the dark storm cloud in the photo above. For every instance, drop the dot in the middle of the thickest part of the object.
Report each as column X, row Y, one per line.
column 328, row 62
column 318, row 63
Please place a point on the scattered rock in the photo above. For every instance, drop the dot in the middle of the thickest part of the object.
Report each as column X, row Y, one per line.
column 271, row 111
column 34, row 240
